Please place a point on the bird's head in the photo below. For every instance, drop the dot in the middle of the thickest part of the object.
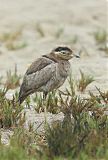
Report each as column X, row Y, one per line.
column 63, row 53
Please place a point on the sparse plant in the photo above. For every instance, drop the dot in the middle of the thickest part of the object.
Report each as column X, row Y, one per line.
column 51, row 102
column 16, row 45
column 12, row 80
column 82, row 134
column 10, row 36
column 70, row 137
column 19, row 146
column 2, row 93
column 38, row 99
column 11, row 40
column 103, row 95
column 84, row 81
column 39, row 29
column 71, row 91
column 101, row 100
column 101, row 39
column 10, row 111
column 100, row 36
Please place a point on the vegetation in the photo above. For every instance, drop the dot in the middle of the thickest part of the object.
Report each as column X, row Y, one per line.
column 51, row 103
column 100, row 37
column 83, row 133
column 12, row 80
column 10, row 111
column 84, row 81
column 12, row 40
column 40, row 30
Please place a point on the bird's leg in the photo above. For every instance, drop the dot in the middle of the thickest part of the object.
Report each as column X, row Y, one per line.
column 45, row 110
column 44, row 95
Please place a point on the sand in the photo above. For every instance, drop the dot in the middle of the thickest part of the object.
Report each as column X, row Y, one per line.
column 75, row 18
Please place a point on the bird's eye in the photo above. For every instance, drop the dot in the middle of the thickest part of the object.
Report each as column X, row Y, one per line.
column 63, row 52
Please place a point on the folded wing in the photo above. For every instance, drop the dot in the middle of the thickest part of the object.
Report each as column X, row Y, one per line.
column 37, row 75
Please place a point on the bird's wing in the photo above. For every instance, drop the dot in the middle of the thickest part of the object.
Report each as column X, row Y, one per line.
column 38, row 65
column 40, row 78
column 37, row 76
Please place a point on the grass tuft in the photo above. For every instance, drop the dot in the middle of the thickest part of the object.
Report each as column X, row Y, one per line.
column 12, row 80
column 100, row 37
column 39, row 29
column 84, row 81
column 51, row 103
column 10, row 111
column 12, row 40
column 81, row 134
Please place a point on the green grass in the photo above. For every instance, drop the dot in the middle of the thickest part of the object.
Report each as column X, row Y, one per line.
column 10, row 112
column 51, row 103
column 84, row 81
column 80, row 136
column 12, row 79
column 101, row 37
column 12, row 40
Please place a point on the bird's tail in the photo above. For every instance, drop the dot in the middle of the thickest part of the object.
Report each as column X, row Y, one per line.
column 23, row 96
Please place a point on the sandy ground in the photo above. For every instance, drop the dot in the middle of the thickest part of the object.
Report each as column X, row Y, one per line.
column 79, row 18
column 75, row 18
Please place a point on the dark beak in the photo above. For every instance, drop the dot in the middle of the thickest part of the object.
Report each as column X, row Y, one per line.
column 77, row 56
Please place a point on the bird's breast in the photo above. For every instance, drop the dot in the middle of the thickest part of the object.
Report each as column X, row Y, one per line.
column 63, row 69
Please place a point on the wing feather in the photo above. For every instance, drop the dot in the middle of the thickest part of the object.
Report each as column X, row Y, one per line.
column 38, row 74
column 38, row 65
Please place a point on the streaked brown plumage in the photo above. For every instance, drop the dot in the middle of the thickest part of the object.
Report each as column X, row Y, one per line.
column 46, row 73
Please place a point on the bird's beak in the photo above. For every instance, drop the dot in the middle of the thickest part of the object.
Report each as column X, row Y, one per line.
column 73, row 55
column 77, row 56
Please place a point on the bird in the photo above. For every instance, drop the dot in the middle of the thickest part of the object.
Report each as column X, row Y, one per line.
column 47, row 73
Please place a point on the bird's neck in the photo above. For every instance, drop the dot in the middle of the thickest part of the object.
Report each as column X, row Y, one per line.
column 64, row 68
column 51, row 57
column 55, row 58
column 63, row 65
